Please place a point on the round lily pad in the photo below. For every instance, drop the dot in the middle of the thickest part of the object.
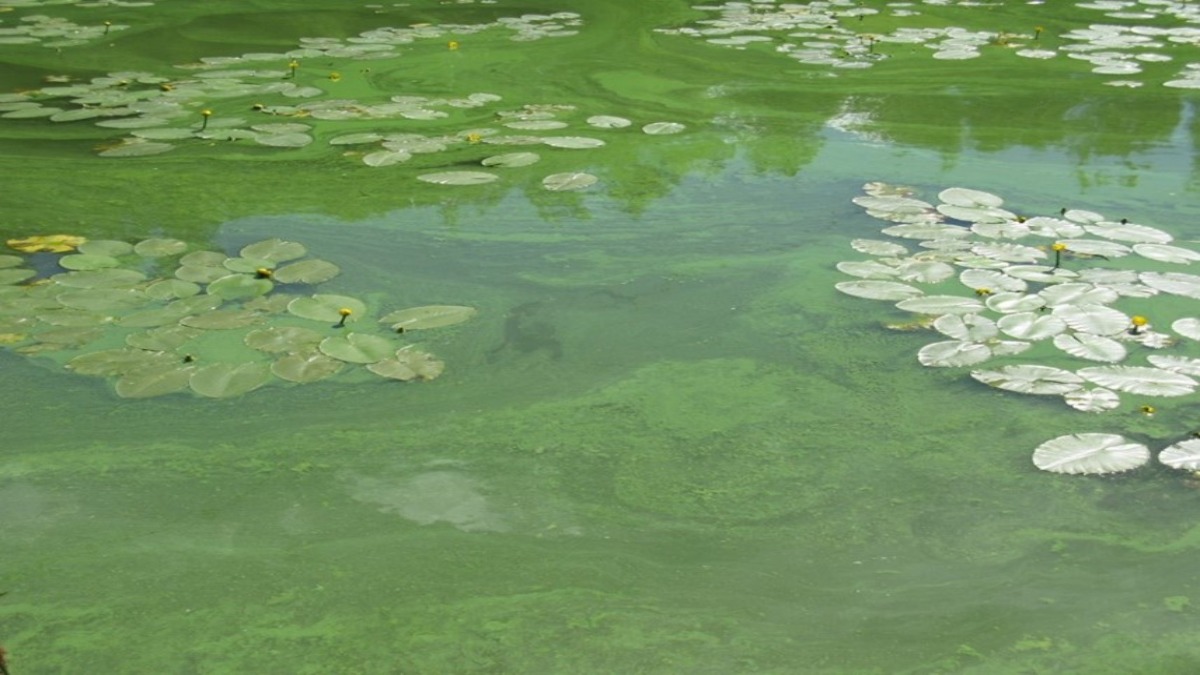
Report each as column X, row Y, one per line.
column 408, row 364
column 222, row 319
column 283, row 339
column 458, row 177
column 84, row 261
column 323, row 307
column 306, row 272
column 358, row 348
column 663, row 128
column 306, row 367
column 15, row 275
column 511, row 159
column 154, row 381
column 107, row 247
column 117, row 361
column 159, row 248
column 428, row 316
column 274, row 250
column 116, row 277
column 560, row 182
column 239, row 286
column 222, row 380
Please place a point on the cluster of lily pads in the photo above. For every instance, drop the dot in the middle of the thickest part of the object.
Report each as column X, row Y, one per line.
column 996, row 284
column 830, row 34
column 160, row 317
column 161, row 113
column 54, row 32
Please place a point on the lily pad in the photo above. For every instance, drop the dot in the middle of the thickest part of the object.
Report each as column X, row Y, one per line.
column 879, row 290
column 1140, row 380
column 561, row 182
column 306, row 367
column 458, row 178
column 1090, row 347
column 1182, row 455
column 222, row 380
column 428, row 316
column 283, row 339
column 511, row 160
column 239, row 287
column 327, row 308
column 409, row 363
column 154, row 381
column 312, row 271
column 1030, row 379
column 953, row 353
column 222, row 319
column 1094, row 399
column 159, row 248
column 358, row 348
column 941, row 304
column 1090, row 453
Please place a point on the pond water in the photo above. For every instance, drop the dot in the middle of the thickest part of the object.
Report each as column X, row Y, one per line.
column 664, row 442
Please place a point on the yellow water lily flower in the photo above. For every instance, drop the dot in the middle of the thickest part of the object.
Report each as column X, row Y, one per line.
column 53, row 243
column 453, row 44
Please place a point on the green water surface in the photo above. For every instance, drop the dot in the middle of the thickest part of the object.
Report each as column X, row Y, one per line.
column 665, row 444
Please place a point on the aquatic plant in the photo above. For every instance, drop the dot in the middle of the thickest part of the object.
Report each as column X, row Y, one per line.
column 159, row 317
column 979, row 275
column 834, row 35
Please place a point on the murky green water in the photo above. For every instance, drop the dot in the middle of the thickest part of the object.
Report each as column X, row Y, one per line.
column 666, row 444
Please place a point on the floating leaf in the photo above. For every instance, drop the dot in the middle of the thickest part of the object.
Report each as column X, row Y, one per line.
column 1090, row 453
column 409, row 363
column 168, row 289
column 1178, row 283
column 924, row 271
column 283, row 339
column 118, row 278
column 608, row 122
column 103, row 299
column 879, row 290
column 239, row 287
column 154, row 381
column 15, row 275
column 511, row 160
column 663, row 128
column 1012, row 303
column 1166, row 253
column 327, row 308
column 953, row 353
column 163, row 339
column 306, row 272
column 1091, row 347
column 1182, row 455
column 428, row 316
column 1177, row 364
column 1096, row 319
column 306, row 367
column 222, row 319
column 84, row 261
column 358, row 348
column 877, row 247
column 458, row 178
column 1188, row 327
column 1095, row 399
column 1030, row 379
column 968, row 197
column 118, row 361
column 1140, row 380
column 1078, row 294
column 968, row 327
column 1129, row 232
column 941, row 304
column 274, row 250
column 572, row 142
column 561, row 182
column 159, row 248
column 222, row 380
